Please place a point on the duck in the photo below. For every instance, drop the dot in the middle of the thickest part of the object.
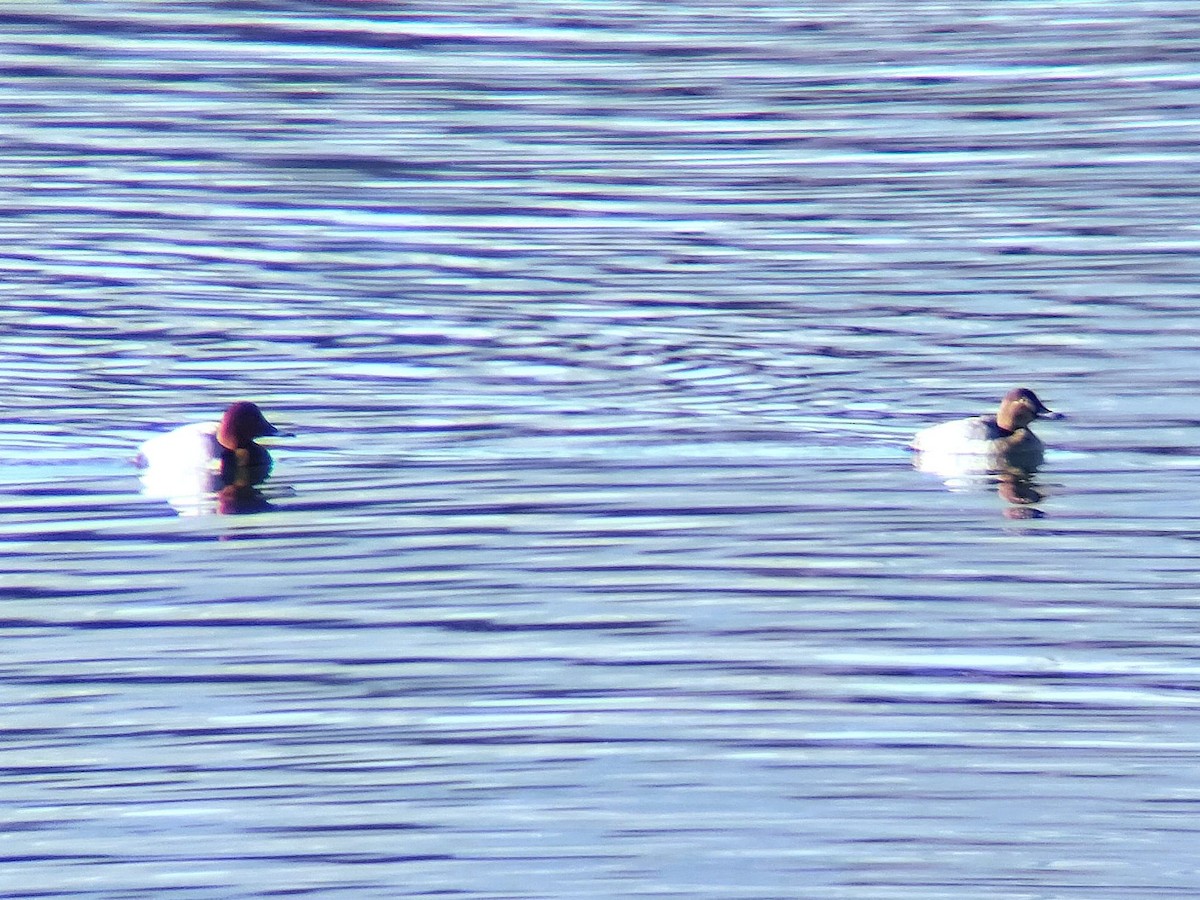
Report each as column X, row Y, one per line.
column 1000, row 442
column 225, row 450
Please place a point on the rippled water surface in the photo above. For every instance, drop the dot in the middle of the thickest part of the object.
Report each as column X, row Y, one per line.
column 595, row 563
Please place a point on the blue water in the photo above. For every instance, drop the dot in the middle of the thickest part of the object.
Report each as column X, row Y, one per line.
column 595, row 564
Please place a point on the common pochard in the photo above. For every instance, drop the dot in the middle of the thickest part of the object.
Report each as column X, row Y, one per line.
column 996, row 442
column 208, row 456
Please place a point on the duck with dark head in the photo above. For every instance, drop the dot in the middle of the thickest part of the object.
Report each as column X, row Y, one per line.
column 195, row 461
column 236, row 435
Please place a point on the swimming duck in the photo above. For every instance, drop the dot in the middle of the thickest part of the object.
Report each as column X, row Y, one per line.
column 224, row 448
column 1002, row 441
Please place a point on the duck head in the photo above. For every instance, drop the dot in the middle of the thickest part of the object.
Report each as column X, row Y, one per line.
column 1021, row 406
column 242, row 423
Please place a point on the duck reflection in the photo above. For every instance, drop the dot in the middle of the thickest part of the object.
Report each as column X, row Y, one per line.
column 1016, row 485
column 231, row 489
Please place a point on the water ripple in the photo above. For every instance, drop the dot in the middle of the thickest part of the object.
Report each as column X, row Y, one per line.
column 596, row 565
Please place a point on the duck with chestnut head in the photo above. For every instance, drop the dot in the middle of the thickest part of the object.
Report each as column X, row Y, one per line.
column 208, row 457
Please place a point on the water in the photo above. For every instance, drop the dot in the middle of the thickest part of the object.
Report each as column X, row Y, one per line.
column 596, row 565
